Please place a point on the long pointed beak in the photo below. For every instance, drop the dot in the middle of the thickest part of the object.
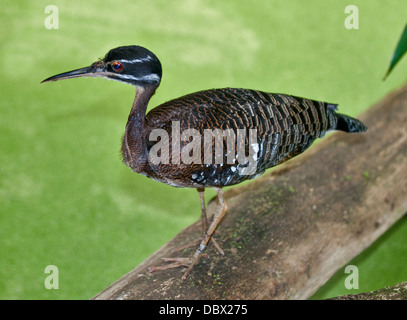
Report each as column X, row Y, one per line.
column 97, row 69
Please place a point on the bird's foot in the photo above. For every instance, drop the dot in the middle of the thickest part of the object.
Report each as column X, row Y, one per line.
column 177, row 262
column 180, row 262
column 207, row 237
column 196, row 242
column 186, row 262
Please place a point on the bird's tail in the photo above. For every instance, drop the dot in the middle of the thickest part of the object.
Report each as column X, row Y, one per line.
column 349, row 124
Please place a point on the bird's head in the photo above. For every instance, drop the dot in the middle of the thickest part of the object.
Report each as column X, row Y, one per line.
column 134, row 65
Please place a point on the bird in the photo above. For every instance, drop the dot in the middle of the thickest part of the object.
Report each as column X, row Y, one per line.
column 211, row 138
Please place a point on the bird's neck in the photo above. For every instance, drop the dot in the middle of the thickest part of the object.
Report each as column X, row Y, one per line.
column 134, row 148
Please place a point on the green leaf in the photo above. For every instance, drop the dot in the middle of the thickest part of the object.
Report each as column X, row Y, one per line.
column 401, row 49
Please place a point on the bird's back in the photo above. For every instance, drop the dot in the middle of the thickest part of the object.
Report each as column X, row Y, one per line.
column 266, row 128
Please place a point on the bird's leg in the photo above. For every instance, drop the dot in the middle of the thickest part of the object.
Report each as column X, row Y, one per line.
column 191, row 262
column 219, row 214
column 204, row 219
column 201, row 193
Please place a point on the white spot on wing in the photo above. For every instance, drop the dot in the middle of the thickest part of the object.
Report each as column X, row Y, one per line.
column 255, row 147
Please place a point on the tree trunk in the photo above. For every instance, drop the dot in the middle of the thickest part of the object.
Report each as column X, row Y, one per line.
column 287, row 232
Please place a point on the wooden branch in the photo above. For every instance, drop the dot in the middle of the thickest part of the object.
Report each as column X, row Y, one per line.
column 287, row 232
column 396, row 292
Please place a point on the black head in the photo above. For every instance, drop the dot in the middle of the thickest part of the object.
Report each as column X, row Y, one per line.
column 134, row 65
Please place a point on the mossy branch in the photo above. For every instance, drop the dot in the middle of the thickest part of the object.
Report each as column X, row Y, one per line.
column 396, row 292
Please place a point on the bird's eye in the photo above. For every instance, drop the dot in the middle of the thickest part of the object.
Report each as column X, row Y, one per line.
column 117, row 66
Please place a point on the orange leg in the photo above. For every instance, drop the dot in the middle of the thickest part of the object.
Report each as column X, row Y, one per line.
column 209, row 231
column 204, row 227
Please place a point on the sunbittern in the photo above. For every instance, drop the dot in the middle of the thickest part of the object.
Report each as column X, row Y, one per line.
column 244, row 132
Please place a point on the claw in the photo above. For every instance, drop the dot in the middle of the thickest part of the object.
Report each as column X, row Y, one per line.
column 177, row 262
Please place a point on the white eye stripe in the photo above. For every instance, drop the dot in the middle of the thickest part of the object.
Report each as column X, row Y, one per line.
column 148, row 58
column 148, row 77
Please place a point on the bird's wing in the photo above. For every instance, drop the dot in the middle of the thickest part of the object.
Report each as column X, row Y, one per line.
column 243, row 108
column 272, row 127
